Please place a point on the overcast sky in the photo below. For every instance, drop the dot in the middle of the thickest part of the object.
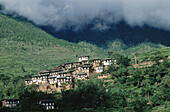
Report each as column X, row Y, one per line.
column 78, row 13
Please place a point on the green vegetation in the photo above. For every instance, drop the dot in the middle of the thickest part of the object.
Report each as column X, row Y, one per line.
column 123, row 49
column 153, row 55
column 26, row 49
column 143, row 88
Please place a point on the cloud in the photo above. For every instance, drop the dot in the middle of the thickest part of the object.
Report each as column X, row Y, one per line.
column 76, row 14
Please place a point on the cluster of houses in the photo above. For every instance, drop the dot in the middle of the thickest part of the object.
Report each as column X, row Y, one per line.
column 52, row 80
column 65, row 74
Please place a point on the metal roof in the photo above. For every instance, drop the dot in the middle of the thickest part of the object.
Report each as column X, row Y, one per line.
column 81, row 73
column 64, row 72
column 61, row 77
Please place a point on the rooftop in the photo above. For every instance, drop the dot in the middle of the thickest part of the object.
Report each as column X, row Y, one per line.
column 42, row 72
column 81, row 73
column 52, row 77
column 68, row 76
column 50, row 100
column 11, row 99
column 77, row 62
column 107, row 59
column 61, row 77
column 84, row 61
column 64, row 72
column 36, row 76
column 56, row 70
column 68, row 63
column 83, row 56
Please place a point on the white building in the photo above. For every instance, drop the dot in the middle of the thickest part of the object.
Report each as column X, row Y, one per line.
column 13, row 102
column 99, row 69
column 82, row 76
column 83, row 58
column 48, row 104
column 107, row 62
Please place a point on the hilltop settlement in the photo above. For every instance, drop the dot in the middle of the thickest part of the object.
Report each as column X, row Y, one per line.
column 62, row 78
column 65, row 74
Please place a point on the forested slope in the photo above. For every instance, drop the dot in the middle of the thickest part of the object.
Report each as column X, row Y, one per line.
column 26, row 49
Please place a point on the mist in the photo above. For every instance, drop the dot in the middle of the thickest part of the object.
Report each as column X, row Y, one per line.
column 77, row 14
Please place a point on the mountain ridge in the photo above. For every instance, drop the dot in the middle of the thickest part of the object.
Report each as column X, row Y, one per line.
column 129, row 35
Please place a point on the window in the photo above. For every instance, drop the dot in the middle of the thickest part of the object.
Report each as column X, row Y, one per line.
column 49, row 107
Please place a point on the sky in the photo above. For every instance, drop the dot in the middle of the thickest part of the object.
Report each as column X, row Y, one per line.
column 77, row 14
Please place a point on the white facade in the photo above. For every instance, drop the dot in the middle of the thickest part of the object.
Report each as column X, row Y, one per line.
column 83, row 58
column 107, row 62
column 99, row 69
column 115, row 62
column 49, row 105
column 11, row 102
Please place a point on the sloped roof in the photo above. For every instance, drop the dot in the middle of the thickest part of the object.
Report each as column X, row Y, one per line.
column 81, row 73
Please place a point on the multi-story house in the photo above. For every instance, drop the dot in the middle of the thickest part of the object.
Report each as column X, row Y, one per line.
column 99, row 69
column 12, row 102
column 107, row 62
column 96, row 62
column 81, row 76
column 48, row 104
column 83, row 58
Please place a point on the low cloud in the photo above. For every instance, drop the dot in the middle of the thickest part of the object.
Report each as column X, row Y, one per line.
column 76, row 14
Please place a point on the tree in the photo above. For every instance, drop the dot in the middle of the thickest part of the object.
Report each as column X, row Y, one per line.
column 120, row 59
column 88, row 94
column 32, row 98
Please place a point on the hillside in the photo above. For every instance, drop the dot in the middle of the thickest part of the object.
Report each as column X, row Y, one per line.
column 26, row 49
column 128, row 35
column 122, row 48
column 153, row 55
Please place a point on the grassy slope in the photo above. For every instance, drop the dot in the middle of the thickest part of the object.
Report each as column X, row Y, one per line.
column 22, row 44
column 122, row 48
column 153, row 55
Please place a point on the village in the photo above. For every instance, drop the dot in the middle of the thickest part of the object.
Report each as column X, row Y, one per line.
column 63, row 75
column 53, row 80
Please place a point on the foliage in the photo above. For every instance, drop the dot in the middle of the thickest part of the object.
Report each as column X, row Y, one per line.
column 26, row 49
column 143, row 88
column 153, row 55
column 87, row 94
column 32, row 98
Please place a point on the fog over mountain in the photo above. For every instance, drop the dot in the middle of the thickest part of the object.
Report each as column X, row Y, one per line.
column 77, row 14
